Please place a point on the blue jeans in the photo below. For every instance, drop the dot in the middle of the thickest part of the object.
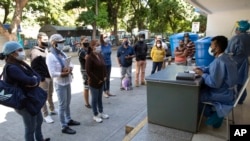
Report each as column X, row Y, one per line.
column 126, row 71
column 64, row 98
column 96, row 100
column 32, row 124
column 107, row 82
column 156, row 65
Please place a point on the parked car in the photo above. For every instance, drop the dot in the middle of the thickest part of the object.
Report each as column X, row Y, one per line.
column 151, row 44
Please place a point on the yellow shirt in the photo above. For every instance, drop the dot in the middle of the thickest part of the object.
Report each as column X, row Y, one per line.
column 158, row 54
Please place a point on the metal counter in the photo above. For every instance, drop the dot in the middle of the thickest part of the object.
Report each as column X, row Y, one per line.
column 173, row 103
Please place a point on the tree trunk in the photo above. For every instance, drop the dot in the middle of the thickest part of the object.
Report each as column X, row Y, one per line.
column 3, row 31
column 94, row 31
column 17, row 18
column 94, row 24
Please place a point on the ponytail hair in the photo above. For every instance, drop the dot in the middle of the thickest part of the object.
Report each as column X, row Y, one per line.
column 2, row 56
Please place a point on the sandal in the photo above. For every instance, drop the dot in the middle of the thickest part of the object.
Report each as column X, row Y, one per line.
column 106, row 95
column 109, row 94
column 88, row 106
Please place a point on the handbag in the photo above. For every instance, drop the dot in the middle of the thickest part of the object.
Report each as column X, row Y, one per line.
column 11, row 95
column 36, row 98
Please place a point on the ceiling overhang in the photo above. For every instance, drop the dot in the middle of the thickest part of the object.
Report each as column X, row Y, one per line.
column 214, row 6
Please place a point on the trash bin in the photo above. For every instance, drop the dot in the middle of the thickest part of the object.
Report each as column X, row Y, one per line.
column 202, row 57
column 174, row 40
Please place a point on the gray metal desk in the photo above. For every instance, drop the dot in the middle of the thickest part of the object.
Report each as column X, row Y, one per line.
column 173, row 103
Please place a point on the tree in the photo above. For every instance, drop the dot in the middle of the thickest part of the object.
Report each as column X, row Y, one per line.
column 90, row 13
column 170, row 15
column 16, row 20
column 203, row 22
column 6, row 5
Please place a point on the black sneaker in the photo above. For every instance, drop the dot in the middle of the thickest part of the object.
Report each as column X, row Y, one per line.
column 122, row 88
column 68, row 130
column 47, row 139
column 72, row 123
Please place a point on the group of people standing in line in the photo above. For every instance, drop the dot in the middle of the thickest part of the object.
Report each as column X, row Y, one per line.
column 52, row 72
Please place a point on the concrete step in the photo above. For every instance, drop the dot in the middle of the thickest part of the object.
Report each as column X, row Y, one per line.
column 135, row 121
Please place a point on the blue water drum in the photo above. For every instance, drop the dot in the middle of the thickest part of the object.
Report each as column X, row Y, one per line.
column 174, row 40
column 202, row 57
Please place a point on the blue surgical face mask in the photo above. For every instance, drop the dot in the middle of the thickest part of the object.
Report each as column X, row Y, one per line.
column 60, row 46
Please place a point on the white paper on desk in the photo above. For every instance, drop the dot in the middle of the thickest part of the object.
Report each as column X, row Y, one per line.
column 190, row 71
column 67, row 61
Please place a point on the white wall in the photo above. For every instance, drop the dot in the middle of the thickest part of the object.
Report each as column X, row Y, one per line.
column 223, row 23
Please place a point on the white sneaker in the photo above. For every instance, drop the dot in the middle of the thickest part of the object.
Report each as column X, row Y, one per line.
column 97, row 119
column 104, row 116
column 48, row 119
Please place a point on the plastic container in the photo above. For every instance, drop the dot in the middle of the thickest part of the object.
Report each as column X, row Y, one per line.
column 202, row 57
column 174, row 40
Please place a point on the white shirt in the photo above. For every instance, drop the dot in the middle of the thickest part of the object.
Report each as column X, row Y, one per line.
column 55, row 69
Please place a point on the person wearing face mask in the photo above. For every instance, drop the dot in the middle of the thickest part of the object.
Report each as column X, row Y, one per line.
column 164, row 45
column 96, row 70
column 19, row 73
column 238, row 48
column 219, row 82
column 181, row 54
column 140, row 56
column 38, row 63
column 125, row 55
column 190, row 48
column 62, row 78
column 106, row 50
column 157, row 54
column 82, row 55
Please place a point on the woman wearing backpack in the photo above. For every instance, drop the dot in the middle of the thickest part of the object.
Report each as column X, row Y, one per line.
column 20, row 74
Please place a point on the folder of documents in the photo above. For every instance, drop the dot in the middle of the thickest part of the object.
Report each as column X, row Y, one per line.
column 185, row 76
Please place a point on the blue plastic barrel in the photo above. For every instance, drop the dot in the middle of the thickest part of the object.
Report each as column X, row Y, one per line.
column 202, row 57
column 174, row 40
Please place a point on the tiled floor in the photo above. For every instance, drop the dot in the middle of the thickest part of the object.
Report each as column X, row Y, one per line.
column 206, row 133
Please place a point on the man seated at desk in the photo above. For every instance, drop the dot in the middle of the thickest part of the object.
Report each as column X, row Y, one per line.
column 220, row 80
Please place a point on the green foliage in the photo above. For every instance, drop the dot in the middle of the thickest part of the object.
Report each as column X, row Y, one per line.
column 159, row 16
column 72, row 4
column 88, row 17
column 102, row 20
column 170, row 16
column 203, row 22
column 7, row 6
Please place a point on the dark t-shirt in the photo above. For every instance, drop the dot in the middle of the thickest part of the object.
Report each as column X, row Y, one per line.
column 81, row 56
column 140, row 51
column 122, row 53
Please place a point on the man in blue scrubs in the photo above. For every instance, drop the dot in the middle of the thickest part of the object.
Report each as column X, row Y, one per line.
column 219, row 82
column 239, row 48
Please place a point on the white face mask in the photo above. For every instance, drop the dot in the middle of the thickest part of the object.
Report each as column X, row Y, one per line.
column 21, row 56
column 60, row 46
column 210, row 51
column 106, row 40
column 158, row 45
column 98, row 49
